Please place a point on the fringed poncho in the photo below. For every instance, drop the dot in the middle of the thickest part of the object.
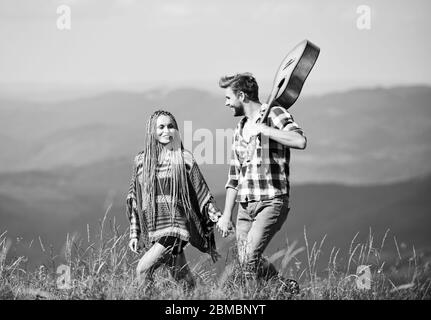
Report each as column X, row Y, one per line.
column 195, row 226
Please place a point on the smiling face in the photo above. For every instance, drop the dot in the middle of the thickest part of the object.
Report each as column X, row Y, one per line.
column 165, row 129
column 234, row 102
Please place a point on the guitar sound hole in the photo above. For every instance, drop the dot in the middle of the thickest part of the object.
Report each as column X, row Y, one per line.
column 281, row 83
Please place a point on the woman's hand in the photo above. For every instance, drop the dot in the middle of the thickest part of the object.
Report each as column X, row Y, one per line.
column 224, row 225
column 133, row 245
column 214, row 256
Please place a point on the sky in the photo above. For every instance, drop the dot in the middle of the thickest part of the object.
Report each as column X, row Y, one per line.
column 135, row 45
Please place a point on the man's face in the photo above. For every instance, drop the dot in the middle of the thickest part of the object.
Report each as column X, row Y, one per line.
column 233, row 102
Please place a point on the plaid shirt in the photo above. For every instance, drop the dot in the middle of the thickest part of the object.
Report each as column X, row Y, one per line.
column 265, row 174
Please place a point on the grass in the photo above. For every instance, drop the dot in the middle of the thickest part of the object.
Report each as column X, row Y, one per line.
column 104, row 268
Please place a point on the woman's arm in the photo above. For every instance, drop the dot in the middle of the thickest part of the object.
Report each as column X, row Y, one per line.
column 132, row 210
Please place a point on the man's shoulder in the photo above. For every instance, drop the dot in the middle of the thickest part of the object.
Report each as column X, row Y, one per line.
column 277, row 111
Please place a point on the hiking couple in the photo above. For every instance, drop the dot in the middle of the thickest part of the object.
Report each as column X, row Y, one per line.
column 170, row 205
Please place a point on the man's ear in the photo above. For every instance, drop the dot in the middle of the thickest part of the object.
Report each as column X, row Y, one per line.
column 241, row 96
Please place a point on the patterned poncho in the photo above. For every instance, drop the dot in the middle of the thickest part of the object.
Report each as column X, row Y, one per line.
column 195, row 226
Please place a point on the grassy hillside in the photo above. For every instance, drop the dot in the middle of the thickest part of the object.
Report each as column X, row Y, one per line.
column 52, row 204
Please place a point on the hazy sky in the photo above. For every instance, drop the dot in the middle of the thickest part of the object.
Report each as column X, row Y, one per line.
column 135, row 44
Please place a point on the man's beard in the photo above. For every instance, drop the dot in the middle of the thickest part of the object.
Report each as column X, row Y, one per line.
column 238, row 111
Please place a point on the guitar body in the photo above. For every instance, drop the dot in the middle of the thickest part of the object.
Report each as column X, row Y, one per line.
column 295, row 74
column 291, row 75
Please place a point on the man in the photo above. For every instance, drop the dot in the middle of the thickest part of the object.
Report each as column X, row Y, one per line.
column 259, row 183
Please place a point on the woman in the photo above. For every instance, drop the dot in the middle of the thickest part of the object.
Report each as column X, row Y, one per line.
column 169, row 203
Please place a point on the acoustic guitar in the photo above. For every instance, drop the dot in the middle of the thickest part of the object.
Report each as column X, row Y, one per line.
column 289, row 80
column 291, row 75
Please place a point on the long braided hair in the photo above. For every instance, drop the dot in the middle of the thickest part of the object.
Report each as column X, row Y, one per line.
column 153, row 154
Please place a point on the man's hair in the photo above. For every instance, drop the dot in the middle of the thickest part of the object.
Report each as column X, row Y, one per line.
column 244, row 82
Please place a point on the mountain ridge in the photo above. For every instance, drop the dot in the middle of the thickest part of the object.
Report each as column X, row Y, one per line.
column 358, row 136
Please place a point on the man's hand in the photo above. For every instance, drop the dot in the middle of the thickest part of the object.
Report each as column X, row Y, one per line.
column 224, row 225
column 256, row 128
column 133, row 245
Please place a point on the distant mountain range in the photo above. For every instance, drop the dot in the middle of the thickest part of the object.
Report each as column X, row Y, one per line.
column 360, row 136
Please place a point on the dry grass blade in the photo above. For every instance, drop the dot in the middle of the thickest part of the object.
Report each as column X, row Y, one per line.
column 274, row 257
column 102, row 224
column 15, row 264
column 41, row 244
column 351, row 257
column 290, row 254
column 330, row 259
column 398, row 249
column 426, row 291
column 384, row 238
column 226, row 274
column 403, row 287
column 4, row 232
column 6, row 245
column 335, row 258
column 351, row 243
column 100, row 267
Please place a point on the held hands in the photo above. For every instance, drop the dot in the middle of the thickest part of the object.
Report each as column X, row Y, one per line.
column 225, row 226
column 133, row 245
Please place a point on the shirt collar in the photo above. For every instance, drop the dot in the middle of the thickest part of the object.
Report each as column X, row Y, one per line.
column 261, row 113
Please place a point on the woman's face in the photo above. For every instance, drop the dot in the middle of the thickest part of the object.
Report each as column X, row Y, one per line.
column 165, row 129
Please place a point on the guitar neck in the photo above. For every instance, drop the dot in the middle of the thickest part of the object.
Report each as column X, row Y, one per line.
column 270, row 103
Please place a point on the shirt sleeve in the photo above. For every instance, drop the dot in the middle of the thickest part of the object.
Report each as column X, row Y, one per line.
column 131, row 205
column 283, row 120
column 234, row 167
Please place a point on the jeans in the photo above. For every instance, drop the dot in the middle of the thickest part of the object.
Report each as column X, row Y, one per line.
column 257, row 223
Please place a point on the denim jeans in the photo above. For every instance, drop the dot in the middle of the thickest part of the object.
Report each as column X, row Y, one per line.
column 257, row 223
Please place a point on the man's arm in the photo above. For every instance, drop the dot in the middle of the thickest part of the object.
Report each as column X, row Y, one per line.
column 283, row 129
column 229, row 202
column 224, row 224
column 291, row 139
